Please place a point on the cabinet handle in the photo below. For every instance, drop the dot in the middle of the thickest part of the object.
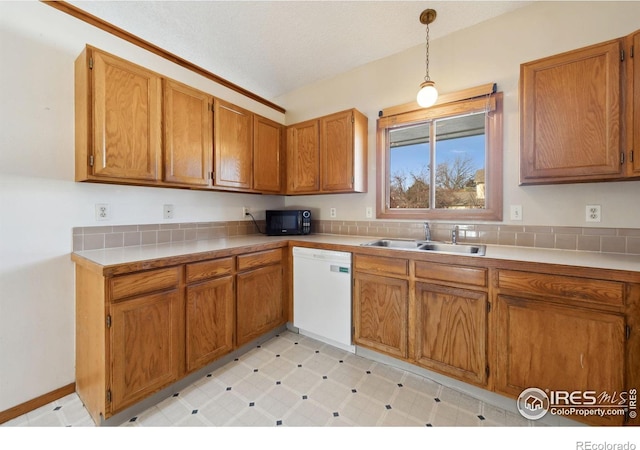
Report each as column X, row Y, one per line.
column 621, row 157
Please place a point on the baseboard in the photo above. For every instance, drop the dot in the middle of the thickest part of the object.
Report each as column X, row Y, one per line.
column 36, row 403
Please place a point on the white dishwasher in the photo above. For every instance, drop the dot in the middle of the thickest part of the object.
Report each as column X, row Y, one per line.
column 322, row 295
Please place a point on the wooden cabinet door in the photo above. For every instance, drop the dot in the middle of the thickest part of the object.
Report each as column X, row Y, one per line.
column 188, row 127
column 210, row 321
column 147, row 346
column 633, row 118
column 558, row 348
column 336, row 151
column 260, row 304
column 126, row 115
column 380, row 306
column 303, row 157
column 233, row 131
column 570, row 112
column 451, row 331
column 267, row 155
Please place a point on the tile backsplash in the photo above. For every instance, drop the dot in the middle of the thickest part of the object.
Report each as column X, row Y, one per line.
column 93, row 238
column 606, row 240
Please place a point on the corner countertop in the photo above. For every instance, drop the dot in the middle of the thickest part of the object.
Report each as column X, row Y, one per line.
column 126, row 255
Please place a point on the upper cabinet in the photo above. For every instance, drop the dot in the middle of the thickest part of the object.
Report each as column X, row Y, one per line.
column 328, row 154
column 570, row 116
column 343, row 152
column 134, row 126
column 633, row 105
column 118, row 116
column 233, row 166
column 188, row 131
column 248, row 150
column 268, row 164
column 574, row 110
column 303, row 158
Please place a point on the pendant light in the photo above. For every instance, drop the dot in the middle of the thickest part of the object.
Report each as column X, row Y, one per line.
column 428, row 94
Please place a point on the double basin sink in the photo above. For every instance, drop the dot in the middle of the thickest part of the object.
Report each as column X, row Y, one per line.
column 428, row 246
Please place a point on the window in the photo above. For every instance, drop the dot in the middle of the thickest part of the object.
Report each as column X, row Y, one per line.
column 443, row 162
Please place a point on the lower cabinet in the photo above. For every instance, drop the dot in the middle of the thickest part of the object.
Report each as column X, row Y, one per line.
column 260, row 302
column 147, row 344
column 140, row 331
column 380, row 306
column 559, row 348
column 504, row 326
column 210, row 313
column 129, row 336
column 562, row 333
column 451, row 331
column 507, row 326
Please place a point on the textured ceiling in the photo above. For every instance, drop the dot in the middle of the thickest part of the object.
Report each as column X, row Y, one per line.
column 274, row 47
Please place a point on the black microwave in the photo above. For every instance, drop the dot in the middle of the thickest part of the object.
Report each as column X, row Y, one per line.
column 290, row 221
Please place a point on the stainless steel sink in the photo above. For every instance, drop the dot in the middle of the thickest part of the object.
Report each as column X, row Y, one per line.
column 429, row 246
column 445, row 247
column 403, row 244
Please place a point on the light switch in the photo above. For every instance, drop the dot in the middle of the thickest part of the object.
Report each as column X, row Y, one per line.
column 516, row 212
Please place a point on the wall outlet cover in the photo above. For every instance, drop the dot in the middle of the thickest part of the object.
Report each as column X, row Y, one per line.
column 103, row 212
column 593, row 213
column 168, row 211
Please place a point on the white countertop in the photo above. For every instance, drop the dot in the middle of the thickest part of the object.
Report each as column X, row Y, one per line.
column 123, row 255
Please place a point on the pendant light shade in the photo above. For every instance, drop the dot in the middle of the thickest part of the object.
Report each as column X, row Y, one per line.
column 428, row 94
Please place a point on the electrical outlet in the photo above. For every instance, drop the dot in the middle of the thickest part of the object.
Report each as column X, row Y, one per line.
column 593, row 213
column 102, row 211
column 516, row 212
column 167, row 211
column 245, row 212
column 332, row 213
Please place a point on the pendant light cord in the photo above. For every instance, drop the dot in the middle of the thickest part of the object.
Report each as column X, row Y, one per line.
column 426, row 77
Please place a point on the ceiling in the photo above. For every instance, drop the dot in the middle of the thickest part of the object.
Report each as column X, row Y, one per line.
column 274, row 47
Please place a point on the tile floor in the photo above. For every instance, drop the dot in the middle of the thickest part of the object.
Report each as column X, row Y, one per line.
column 295, row 381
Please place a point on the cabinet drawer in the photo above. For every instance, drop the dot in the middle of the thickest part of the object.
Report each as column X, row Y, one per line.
column 253, row 260
column 574, row 288
column 209, row 269
column 473, row 276
column 380, row 264
column 144, row 282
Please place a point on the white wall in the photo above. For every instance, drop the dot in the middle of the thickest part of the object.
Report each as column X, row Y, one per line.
column 40, row 203
column 489, row 52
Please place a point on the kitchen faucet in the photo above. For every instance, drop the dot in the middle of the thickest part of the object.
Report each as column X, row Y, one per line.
column 427, row 232
column 454, row 235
